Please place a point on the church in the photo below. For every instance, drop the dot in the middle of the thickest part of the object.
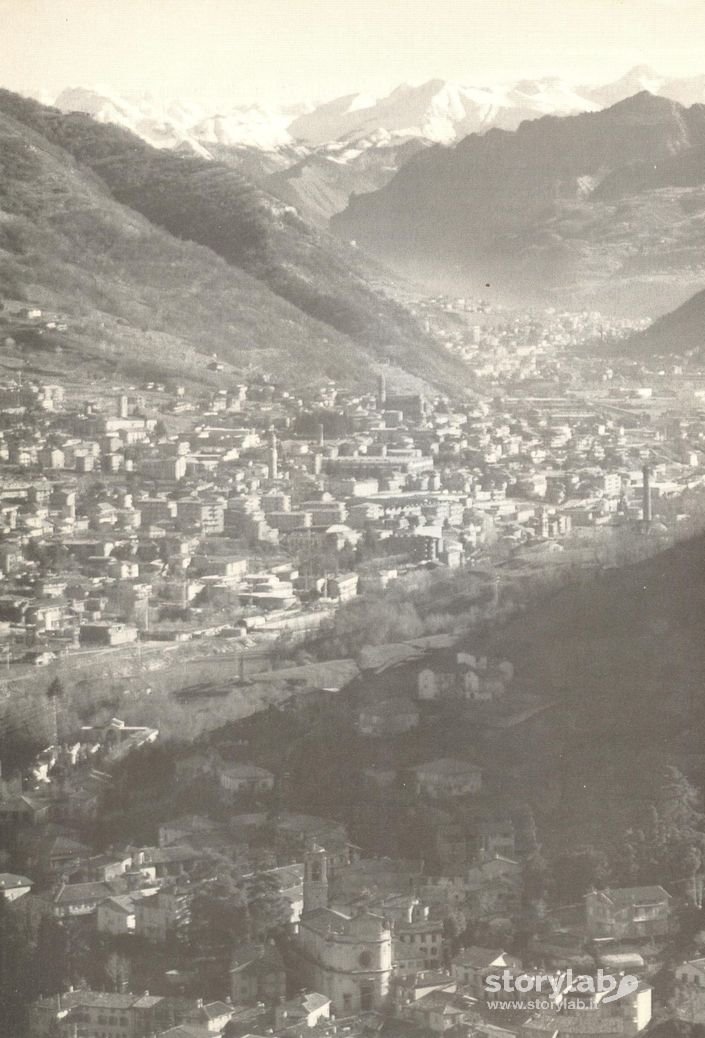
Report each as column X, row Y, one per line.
column 347, row 958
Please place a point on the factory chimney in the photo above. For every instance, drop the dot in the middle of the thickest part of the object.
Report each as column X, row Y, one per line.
column 273, row 458
column 381, row 392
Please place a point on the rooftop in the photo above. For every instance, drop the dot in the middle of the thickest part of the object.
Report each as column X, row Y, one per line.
column 9, row 881
column 622, row 896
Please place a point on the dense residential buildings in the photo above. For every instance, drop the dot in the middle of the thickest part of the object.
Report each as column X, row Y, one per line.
column 157, row 531
column 133, row 507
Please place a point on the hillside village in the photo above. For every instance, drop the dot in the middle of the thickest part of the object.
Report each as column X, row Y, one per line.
column 253, row 916
column 360, row 857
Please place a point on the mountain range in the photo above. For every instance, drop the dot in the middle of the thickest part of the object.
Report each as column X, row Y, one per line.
column 316, row 156
column 163, row 259
column 440, row 111
column 604, row 209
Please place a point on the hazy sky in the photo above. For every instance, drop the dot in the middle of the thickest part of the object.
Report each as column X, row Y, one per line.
column 268, row 50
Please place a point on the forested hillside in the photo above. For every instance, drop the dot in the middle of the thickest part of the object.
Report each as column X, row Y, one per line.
column 271, row 254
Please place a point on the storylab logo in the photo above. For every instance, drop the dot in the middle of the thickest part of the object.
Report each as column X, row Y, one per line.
column 566, row 989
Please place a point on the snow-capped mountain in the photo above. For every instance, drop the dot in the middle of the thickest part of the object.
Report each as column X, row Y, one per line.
column 252, row 127
column 163, row 125
column 179, row 124
column 687, row 91
column 438, row 111
column 315, row 157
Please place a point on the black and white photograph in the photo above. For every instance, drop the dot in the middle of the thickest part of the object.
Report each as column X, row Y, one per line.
column 352, row 518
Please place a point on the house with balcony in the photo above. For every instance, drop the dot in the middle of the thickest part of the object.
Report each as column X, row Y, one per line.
column 628, row 912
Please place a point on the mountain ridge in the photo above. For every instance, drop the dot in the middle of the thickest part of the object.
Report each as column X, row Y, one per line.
column 682, row 331
column 211, row 217
column 522, row 210
column 316, row 156
column 135, row 299
column 467, row 108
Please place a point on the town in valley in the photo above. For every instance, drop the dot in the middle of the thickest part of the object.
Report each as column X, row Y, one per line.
column 352, row 519
column 233, row 617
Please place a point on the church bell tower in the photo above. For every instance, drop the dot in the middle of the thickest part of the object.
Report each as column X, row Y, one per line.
column 315, row 879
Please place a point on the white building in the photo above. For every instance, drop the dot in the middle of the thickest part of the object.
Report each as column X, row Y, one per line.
column 348, row 959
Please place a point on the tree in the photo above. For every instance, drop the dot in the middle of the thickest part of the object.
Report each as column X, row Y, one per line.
column 267, row 908
column 679, row 802
column 453, row 926
column 527, row 840
column 578, row 871
column 627, row 857
column 536, row 879
column 535, row 872
column 56, row 689
column 368, row 545
column 218, row 917
column 117, row 970
column 51, row 950
column 670, row 845
column 55, row 694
